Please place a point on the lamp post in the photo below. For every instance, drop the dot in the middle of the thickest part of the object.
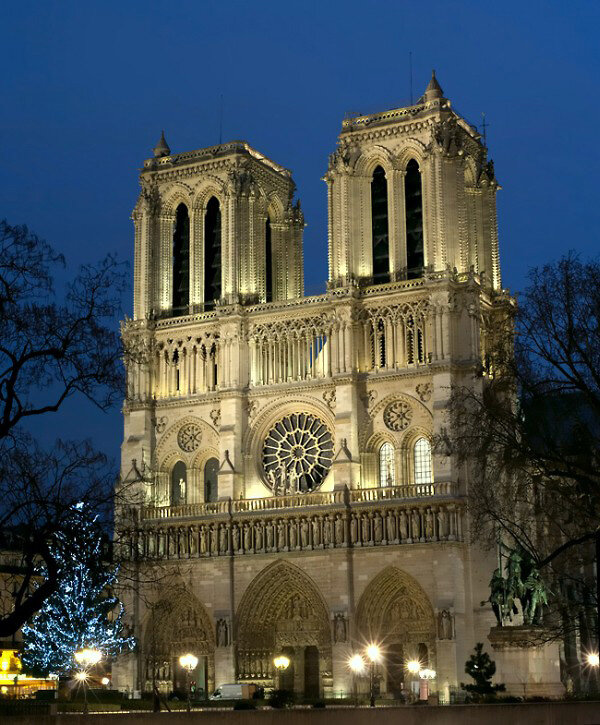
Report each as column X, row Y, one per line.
column 87, row 657
column 357, row 664
column 281, row 663
column 189, row 662
column 425, row 676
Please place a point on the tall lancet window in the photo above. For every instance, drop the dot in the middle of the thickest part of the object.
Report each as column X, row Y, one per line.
column 380, row 227
column 212, row 252
column 387, row 472
column 181, row 261
column 413, row 195
column 268, row 262
column 422, row 461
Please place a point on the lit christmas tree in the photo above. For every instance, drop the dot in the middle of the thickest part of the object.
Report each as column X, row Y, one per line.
column 83, row 613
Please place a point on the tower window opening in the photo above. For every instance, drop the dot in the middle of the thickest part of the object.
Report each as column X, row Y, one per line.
column 181, row 260
column 413, row 198
column 212, row 253
column 381, row 343
column 268, row 262
column 422, row 460
column 211, row 486
column 380, row 227
column 387, row 473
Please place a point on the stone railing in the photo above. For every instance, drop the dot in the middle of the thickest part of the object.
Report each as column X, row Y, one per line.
column 292, row 501
column 190, row 510
column 413, row 490
column 357, row 525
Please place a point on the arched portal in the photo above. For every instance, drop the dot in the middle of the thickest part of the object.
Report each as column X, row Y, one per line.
column 395, row 612
column 173, row 627
column 282, row 612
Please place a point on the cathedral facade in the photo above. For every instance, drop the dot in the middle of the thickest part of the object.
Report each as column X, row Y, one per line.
column 282, row 444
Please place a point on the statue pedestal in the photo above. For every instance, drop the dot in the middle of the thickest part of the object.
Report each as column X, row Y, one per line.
column 528, row 666
column 224, row 666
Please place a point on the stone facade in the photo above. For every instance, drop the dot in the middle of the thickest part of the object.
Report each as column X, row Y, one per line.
column 282, row 444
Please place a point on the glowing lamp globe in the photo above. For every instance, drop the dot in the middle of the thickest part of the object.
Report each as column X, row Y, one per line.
column 188, row 662
column 373, row 652
column 593, row 659
column 413, row 666
column 356, row 664
column 282, row 662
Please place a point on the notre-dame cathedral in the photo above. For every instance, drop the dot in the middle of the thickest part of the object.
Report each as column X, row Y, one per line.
column 284, row 442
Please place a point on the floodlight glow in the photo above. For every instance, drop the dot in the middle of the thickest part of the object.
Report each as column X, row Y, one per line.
column 81, row 676
column 188, row 661
column 105, row 681
column 593, row 660
column 282, row 662
column 88, row 656
column 413, row 666
column 356, row 664
column 373, row 652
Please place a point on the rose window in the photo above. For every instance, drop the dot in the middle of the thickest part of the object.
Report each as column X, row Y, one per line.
column 297, row 454
column 189, row 437
column 397, row 415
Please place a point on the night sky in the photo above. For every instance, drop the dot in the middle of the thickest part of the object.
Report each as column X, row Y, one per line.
column 88, row 86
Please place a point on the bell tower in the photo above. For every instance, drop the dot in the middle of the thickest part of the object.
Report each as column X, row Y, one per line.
column 411, row 192
column 215, row 226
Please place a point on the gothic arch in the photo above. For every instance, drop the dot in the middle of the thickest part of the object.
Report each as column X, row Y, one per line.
column 179, row 193
column 410, row 149
column 394, row 609
column 209, row 187
column 370, row 159
column 175, row 626
column 281, row 608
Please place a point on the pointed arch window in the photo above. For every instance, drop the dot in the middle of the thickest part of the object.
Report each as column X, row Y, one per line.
column 178, row 484
column 413, row 200
column 268, row 262
column 212, row 253
column 422, row 461
column 211, row 485
column 380, row 227
column 387, row 471
column 181, row 261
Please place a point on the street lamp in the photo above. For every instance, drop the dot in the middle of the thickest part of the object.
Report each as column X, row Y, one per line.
column 374, row 655
column 425, row 675
column 189, row 662
column 87, row 657
column 357, row 665
column 593, row 659
column 281, row 663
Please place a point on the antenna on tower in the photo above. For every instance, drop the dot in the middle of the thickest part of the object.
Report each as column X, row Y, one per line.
column 410, row 75
column 221, row 121
column 484, row 127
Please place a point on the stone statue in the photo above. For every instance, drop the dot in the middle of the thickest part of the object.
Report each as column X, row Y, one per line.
column 235, row 535
column 270, row 536
column 390, row 525
column 339, row 628
column 327, row 531
column 415, row 525
column 293, row 534
column 193, row 541
column 445, row 624
column 304, row 533
column 247, row 537
column 366, row 530
column 258, row 536
column 316, row 532
column 403, row 526
column 223, row 539
column 222, row 633
column 353, row 530
column 281, row 534
column 339, row 530
column 378, row 528
column 203, row 540
column 213, row 540
column 441, row 518
column 429, row 525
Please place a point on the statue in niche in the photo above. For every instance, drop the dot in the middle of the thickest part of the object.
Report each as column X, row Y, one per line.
column 415, row 525
column 304, row 533
column 316, row 532
column 247, row 537
column 390, row 527
column 378, row 529
column 442, row 528
column 353, row 530
column 403, row 526
column 213, row 540
column 193, row 541
column 339, row 530
column 366, row 529
column 281, row 534
column 429, row 525
column 258, row 536
column 223, row 538
column 445, row 624
column 222, row 633
column 235, row 535
column 339, row 628
column 293, row 535
column 326, row 531
column 269, row 536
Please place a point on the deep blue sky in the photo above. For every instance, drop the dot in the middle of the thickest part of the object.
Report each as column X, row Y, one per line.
column 87, row 87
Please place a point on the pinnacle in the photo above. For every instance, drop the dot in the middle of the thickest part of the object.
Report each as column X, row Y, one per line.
column 162, row 147
column 433, row 90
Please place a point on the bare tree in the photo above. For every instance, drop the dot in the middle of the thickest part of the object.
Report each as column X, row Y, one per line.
column 526, row 426
column 52, row 348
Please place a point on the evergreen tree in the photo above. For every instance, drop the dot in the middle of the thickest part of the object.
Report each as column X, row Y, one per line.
column 83, row 612
column 481, row 668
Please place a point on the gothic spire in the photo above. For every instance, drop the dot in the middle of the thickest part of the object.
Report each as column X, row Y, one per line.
column 162, row 147
column 433, row 90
